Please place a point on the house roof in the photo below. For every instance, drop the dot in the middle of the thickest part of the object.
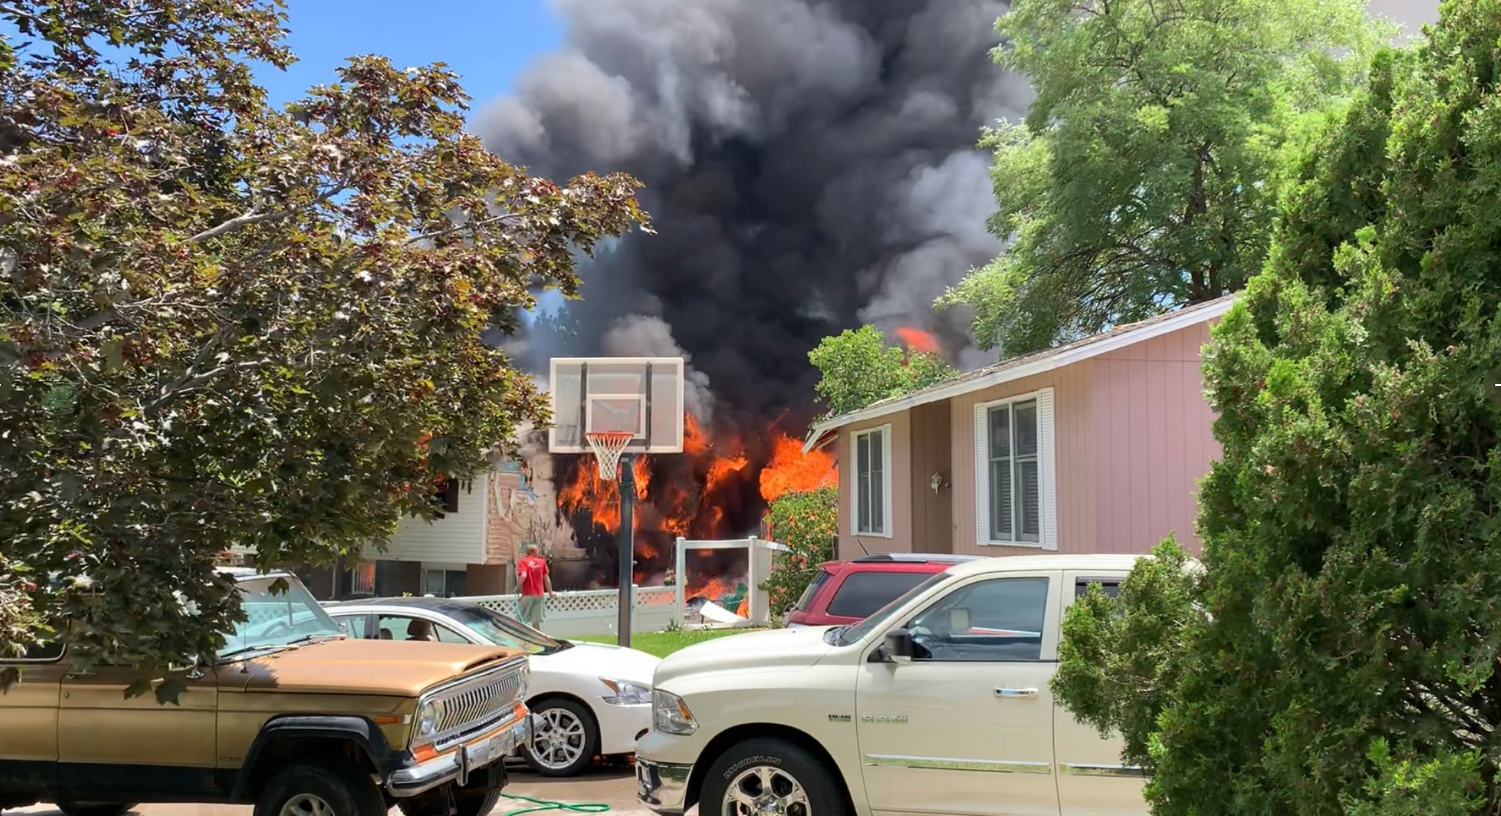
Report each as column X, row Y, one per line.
column 1027, row 365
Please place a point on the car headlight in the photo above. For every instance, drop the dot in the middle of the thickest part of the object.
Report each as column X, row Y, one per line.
column 623, row 692
column 428, row 715
column 670, row 714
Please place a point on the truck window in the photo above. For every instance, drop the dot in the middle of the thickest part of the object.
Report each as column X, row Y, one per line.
column 998, row 620
column 807, row 596
column 1110, row 586
column 862, row 593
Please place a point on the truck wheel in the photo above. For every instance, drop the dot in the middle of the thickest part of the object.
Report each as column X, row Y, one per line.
column 476, row 805
column 93, row 808
column 771, row 777
column 564, row 738
column 320, row 790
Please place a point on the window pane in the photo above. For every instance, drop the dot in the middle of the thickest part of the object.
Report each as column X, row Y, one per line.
column 878, row 502
column 353, row 625
column 1028, row 501
column 446, row 635
column 807, row 596
column 1000, row 620
column 401, row 627
column 1000, row 500
column 1026, row 428
column 1110, row 588
column 1000, row 432
column 863, row 593
column 862, row 501
column 862, row 453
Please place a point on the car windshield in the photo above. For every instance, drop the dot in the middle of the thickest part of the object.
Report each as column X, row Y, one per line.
column 855, row 632
column 504, row 631
column 277, row 619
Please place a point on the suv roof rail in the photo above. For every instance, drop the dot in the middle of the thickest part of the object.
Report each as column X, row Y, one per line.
column 915, row 558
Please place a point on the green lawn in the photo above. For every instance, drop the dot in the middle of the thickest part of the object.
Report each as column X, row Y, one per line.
column 663, row 644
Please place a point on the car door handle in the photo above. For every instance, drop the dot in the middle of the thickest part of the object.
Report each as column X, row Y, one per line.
column 1016, row 694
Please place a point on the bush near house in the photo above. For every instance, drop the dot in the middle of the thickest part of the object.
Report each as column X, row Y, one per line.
column 808, row 524
column 1338, row 654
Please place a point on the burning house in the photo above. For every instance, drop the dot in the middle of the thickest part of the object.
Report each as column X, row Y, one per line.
column 717, row 488
column 810, row 165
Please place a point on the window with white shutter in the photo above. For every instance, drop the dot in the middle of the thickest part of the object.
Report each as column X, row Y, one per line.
column 1014, row 491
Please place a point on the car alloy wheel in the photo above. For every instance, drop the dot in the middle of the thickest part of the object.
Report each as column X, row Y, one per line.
column 762, row 790
column 306, row 804
column 559, row 739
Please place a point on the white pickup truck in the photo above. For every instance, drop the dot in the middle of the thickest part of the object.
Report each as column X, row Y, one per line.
column 936, row 704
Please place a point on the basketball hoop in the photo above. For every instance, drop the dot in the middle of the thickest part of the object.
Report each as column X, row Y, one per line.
column 608, row 446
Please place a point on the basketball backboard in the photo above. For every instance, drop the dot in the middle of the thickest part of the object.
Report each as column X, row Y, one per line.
column 639, row 395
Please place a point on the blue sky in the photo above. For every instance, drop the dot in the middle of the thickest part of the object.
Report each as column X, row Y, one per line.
column 487, row 42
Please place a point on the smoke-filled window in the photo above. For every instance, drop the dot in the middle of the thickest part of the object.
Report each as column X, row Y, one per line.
column 873, row 481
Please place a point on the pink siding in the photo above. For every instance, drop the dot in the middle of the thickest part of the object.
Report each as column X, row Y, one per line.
column 1074, row 433
column 900, row 539
column 1153, row 441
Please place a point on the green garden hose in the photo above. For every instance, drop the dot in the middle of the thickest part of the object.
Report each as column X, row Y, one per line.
column 539, row 805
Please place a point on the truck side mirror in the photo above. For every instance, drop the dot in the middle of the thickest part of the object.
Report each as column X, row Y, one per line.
column 898, row 646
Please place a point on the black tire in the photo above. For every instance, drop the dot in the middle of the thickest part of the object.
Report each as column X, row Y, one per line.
column 783, row 761
column 94, row 808
column 587, row 750
column 476, row 804
column 345, row 789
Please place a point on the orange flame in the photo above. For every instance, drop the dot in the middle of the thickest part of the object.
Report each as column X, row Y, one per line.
column 918, row 340
column 792, row 471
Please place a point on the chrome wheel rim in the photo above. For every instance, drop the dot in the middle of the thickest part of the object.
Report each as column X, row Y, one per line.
column 765, row 790
column 306, row 804
column 558, row 739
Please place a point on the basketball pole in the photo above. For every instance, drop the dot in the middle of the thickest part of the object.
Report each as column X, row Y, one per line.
column 626, row 484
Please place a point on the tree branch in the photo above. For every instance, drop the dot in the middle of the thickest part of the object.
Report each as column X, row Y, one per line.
column 190, row 383
column 254, row 217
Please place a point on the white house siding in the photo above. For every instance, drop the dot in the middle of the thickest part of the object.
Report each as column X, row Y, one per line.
column 457, row 538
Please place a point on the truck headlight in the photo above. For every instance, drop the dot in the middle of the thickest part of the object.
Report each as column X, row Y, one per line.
column 623, row 692
column 670, row 714
column 428, row 715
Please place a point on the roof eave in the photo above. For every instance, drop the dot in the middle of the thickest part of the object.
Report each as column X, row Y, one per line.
column 1180, row 320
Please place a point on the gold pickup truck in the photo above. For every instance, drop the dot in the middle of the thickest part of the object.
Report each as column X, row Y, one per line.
column 292, row 717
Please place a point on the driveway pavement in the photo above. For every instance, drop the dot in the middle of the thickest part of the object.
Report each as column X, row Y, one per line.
column 615, row 786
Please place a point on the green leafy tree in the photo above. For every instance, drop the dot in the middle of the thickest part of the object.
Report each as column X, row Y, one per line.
column 224, row 323
column 1338, row 652
column 808, row 524
column 859, row 368
column 1146, row 174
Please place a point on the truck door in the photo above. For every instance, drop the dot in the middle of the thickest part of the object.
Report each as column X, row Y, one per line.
column 966, row 727
column 1092, row 781
column 104, row 737
column 28, row 716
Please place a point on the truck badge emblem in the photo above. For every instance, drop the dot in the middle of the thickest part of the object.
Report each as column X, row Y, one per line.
column 839, row 718
column 893, row 719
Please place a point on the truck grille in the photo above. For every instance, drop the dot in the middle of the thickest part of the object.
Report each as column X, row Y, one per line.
column 473, row 705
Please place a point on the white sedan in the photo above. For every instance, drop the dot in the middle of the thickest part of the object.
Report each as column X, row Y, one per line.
column 587, row 699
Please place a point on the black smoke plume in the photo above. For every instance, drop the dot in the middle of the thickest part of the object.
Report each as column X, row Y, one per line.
column 810, row 165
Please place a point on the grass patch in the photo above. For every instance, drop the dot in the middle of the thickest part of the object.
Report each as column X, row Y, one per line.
column 663, row 644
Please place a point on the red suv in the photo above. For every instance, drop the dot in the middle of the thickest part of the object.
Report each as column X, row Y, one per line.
column 847, row 592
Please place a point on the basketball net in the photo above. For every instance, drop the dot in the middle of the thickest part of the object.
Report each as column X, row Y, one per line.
column 608, row 446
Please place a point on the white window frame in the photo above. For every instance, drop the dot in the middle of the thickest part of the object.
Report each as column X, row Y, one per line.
column 1046, row 472
column 885, row 432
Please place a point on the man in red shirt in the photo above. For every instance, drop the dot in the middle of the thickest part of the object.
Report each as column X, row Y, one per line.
column 535, row 579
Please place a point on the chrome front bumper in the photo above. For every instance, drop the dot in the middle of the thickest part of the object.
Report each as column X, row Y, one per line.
column 662, row 786
column 455, row 766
